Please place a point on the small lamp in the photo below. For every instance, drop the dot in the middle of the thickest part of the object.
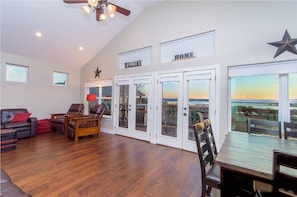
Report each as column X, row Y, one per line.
column 91, row 98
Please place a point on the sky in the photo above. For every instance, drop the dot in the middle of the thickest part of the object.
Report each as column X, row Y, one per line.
column 198, row 89
column 262, row 87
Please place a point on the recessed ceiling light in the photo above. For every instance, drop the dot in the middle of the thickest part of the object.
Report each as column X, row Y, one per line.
column 38, row 34
column 81, row 48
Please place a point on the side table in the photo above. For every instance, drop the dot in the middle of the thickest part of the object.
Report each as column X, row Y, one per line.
column 8, row 139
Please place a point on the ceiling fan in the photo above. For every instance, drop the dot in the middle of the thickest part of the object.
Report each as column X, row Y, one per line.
column 100, row 6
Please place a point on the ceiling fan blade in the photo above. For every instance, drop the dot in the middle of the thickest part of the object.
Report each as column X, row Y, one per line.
column 75, row 1
column 121, row 10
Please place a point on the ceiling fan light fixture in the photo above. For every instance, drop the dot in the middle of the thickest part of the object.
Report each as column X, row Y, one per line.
column 93, row 3
column 111, row 15
column 111, row 9
column 102, row 8
column 102, row 17
column 86, row 9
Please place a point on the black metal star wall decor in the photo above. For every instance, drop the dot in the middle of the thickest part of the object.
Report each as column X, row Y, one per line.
column 97, row 73
column 286, row 44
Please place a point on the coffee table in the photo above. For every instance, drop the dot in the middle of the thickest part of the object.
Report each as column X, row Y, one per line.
column 8, row 139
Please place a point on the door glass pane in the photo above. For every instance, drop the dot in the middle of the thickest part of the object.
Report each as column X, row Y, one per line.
column 169, row 108
column 198, row 100
column 141, row 107
column 254, row 97
column 293, row 97
column 123, row 106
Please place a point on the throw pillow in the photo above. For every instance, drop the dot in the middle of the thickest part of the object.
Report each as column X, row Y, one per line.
column 20, row 117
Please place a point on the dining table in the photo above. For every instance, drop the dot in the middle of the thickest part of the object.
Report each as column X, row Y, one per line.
column 249, row 156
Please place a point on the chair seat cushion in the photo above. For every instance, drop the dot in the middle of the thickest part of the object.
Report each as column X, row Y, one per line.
column 58, row 120
column 72, row 124
column 10, row 125
column 214, row 174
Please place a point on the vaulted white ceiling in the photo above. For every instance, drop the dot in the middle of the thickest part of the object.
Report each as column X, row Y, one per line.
column 64, row 28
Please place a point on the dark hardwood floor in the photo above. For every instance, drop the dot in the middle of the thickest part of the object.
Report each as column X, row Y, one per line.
column 53, row 165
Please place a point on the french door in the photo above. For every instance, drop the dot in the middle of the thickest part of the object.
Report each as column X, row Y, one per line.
column 179, row 97
column 133, row 107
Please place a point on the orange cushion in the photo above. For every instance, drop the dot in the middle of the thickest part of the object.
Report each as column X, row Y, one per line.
column 20, row 117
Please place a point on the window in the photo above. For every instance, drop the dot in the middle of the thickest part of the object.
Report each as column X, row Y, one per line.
column 103, row 92
column 60, row 78
column 293, row 97
column 106, row 99
column 16, row 73
column 253, row 97
column 262, row 91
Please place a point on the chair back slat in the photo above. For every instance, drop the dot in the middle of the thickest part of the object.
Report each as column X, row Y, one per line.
column 284, row 182
column 290, row 130
column 200, row 117
column 268, row 127
column 203, row 146
column 209, row 131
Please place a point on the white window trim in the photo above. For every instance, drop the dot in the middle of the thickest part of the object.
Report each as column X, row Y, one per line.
column 282, row 67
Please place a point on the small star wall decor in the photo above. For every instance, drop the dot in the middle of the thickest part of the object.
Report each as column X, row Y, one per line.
column 286, row 44
column 97, row 73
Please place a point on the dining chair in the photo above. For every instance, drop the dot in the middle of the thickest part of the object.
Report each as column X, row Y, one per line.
column 209, row 131
column 211, row 177
column 290, row 130
column 284, row 184
column 211, row 172
column 266, row 127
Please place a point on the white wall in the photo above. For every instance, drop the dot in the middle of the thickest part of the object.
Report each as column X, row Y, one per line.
column 39, row 96
column 242, row 30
